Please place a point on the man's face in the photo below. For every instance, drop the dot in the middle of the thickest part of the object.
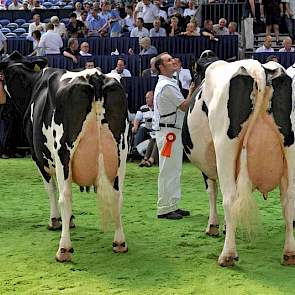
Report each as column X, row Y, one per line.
column 287, row 43
column 157, row 24
column 138, row 23
column 177, row 63
column 120, row 66
column 149, row 98
column 168, row 65
column 85, row 47
column 231, row 28
column 222, row 23
column 36, row 19
column 89, row 65
column 267, row 42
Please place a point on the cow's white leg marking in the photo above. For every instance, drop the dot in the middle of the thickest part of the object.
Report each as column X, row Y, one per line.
column 65, row 203
column 212, row 227
column 287, row 201
column 54, row 214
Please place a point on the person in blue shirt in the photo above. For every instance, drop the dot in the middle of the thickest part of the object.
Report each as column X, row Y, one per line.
column 96, row 24
column 114, row 23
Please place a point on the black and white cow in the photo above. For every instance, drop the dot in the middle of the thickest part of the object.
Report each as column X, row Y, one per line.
column 76, row 124
column 241, row 128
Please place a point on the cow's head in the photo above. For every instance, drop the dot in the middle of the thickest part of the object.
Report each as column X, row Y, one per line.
column 20, row 75
column 201, row 64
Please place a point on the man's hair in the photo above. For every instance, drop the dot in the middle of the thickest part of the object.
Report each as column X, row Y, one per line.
column 71, row 41
column 141, row 19
column 271, row 58
column 159, row 61
column 73, row 14
column 37, row 33
column 122, row 59
column 49, row 26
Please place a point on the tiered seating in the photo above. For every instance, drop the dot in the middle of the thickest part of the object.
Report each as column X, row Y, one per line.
column 286, row 59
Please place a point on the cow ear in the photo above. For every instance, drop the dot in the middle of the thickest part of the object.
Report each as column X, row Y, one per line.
column 38, row 64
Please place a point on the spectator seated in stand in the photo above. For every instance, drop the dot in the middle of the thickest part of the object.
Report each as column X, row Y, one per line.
column 147, row 11
column 78, row 9
column 161, row 13
column 220, row 29
column 272, row 58
column 59, row 27
column 287, row 43
column 120, row 68
column 35, row 25
column 84, row 49
column 96, row 24
column 72, row 50
column 152, row 71
column 266, row 47
column 142, row 124
column 191, row 10
column 114, row 22
column 147, row 48
column 183, row 76
column 128, row 21
column 208, row 31
column 173, row 29
column 15, row 5
column 139, row 31
column 191, row 30
column 89, row 64
column 175, row 10
column 157, row 31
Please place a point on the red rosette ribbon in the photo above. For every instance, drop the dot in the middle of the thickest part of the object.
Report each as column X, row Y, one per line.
column 167, row 148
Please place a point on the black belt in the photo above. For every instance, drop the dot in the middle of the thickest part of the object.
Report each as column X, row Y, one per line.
column 168, row 125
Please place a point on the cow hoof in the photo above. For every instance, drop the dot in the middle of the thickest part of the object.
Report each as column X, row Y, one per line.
column 226, row 261
column 55, row 224
column 213, row 230
column 64, row 255
column 288, row 259
column 120, row 248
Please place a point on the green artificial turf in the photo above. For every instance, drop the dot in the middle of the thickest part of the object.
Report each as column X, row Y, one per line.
column 165, row 257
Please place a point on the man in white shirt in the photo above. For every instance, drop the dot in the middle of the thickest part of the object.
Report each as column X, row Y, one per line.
column 161, row 13
column 182, row 75
column 157, row 31
column 129, row 19
column 51, row 41
column 139, row 31
column 266, row 47
column 84, row 49
column 147, row 11
column 287, row 43
column 34, row 25
column 59, row 27
column 120, row 68
column 14, row 5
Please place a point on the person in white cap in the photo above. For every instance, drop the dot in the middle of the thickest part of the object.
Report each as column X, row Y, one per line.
column 59, row 27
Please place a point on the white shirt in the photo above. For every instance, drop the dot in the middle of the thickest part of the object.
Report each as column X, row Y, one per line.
column 60, row 29
column 291, row 71
column 189, row 12
column 136, row 33
column 264, row 49
column 2, row 40
column 33, row 27
column 167, row 99
column 185, row 78
column 125, row 73
column 84, row 53
column 162, row 13
column 284, row 50
column 160, row 33
column 51, row 42
column 129, row 22
column 14, row 7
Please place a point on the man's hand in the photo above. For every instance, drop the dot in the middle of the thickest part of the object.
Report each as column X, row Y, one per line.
column 134, row 129
column 192, row 88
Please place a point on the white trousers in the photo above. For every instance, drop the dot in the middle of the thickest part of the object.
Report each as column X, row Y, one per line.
column 169, row 191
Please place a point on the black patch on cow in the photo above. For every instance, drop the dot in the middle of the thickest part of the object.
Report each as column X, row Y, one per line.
column 54, row 133
column 55, row 144
column 239, row 103
column 281, row 107
column 185, row 135
column 204, row 108
column 205, row 177
column 116, row 183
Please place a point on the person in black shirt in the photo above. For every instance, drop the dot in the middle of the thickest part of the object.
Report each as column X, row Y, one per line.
column 72, row 49
column 75, row 28
column 271, row 11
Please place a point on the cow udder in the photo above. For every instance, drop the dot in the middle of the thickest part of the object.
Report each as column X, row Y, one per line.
column 85, row 168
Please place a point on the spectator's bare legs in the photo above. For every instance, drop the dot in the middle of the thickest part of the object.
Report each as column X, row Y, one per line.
column 276, row 31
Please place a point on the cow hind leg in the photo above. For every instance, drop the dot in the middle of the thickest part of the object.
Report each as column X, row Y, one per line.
column 287, row 202
column 213, row 226
column 54, row 220
column 111, row 198
column 65, row 249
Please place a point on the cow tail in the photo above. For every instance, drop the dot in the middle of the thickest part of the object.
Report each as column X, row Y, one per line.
column 106, row 194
